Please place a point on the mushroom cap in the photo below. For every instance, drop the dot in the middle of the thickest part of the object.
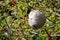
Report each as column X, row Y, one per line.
column 36, row 19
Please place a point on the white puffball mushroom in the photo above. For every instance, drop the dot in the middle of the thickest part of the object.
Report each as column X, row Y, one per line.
column 36, row 19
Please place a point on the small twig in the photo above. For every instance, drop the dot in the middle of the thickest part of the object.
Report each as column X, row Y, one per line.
column 50, row 38
column 9, row 32
column 56, row 13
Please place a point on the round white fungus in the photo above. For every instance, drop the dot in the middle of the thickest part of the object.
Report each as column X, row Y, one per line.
column 36, row 19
